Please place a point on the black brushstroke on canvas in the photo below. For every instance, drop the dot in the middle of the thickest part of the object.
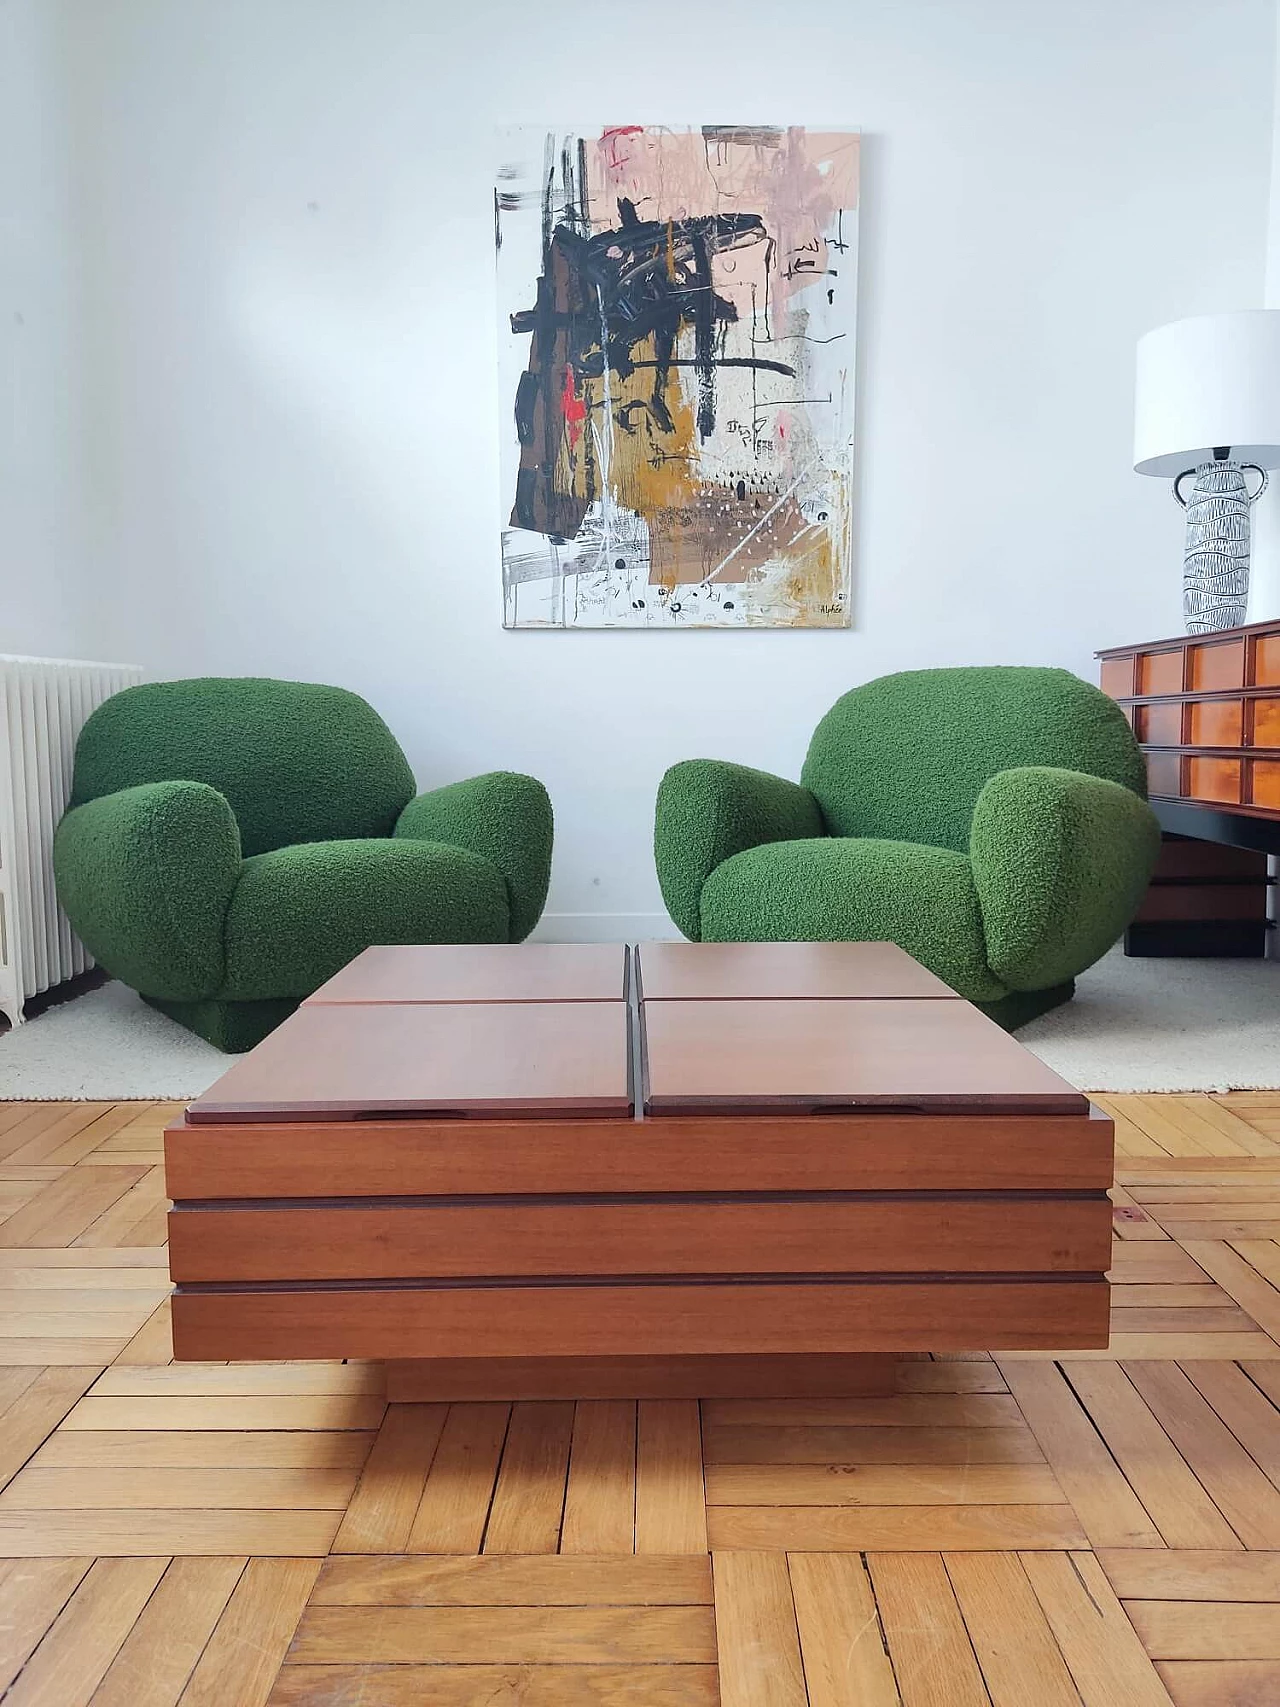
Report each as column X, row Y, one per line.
column 599, row 297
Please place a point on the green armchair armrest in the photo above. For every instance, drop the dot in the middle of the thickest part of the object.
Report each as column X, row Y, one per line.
column 505, row 818
column 1060, row 861
column 708, row 811
column 145, row 876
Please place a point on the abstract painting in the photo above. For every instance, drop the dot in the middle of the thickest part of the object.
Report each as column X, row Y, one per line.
column 676, row 332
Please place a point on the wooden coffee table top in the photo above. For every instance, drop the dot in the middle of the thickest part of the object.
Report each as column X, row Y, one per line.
column 764, row 1055
column 383, row 1038
column 687, row 971
column 482, row 972
column 337, row 1060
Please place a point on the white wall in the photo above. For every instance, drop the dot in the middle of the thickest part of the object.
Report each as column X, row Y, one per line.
column 285, row 213
column 41, row 499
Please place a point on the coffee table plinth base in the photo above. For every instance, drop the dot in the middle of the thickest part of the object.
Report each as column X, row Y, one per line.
column 859, row 1375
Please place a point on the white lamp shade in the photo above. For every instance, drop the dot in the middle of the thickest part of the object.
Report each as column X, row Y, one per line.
column 1209, row 381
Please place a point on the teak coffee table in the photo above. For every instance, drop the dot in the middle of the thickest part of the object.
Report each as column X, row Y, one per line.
column 578, row 1170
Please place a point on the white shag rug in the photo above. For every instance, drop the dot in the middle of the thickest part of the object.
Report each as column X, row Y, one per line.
column 1135, row 1025
column 1166, row 1025
column 106, row 1046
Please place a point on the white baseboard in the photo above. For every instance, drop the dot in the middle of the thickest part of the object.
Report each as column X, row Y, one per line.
column 605, row 927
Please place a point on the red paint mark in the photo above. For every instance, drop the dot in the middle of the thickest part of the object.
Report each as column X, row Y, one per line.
column 782, row 431
column 609, row 138
column 572, row 408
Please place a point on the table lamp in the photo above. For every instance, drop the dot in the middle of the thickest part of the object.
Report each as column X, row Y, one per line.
column 1208, row 410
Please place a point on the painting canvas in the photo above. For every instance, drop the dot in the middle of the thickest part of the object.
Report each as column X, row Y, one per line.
column 676, row 340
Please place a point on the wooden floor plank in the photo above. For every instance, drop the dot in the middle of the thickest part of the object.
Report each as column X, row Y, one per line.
column 841, row 1644
column 1217, row 1630
column 87, row 1634
column 1110, row 1511
column 152, row 1345
column 241, row 1381
column 138, row 1534
column 528, row 1499
column 511, row 1635
column 1226, row 1683
column 245, row 1652
column 505, row 1580
column 1103, row 1654
column 36, row 1412
column 161, row 1651
column 1236, row 1277
column 1167, row 1262
column 73, row 1135
column 32, row 1594
column 1192, row 1575
column 1244, row 1496
column 1177, row 1504
column 881, row 1484
column 897, row 1410
column 861, row 1529
column 734, row 1443
column 62, row 1210
column 133, row 1218
column 496, row 1686
column 231, row 1488
column 670, row 1503
column 1244, row 1408
column 600, row 1497
column 380, row 1517
column 1021, row 1662
column 757, row 1637
column 933, row 1661
column 459, row 1487
column 318, row 1411
column 286, row 1449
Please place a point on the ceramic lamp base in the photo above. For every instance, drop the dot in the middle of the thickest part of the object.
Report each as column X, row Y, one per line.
column 1215, row 564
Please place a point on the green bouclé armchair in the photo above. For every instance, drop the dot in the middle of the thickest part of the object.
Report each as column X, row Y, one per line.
column 232, row 842
column 992, row 822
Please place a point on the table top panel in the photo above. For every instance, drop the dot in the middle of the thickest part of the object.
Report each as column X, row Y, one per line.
column 508, row 1059
column 726, row 971
column 721, row 1056
column 482, row 972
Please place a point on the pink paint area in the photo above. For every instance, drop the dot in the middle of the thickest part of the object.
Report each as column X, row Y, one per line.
column 611, row 140
column 797, row 181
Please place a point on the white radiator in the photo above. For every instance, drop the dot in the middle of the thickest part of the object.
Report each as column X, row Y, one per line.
column 43, row 706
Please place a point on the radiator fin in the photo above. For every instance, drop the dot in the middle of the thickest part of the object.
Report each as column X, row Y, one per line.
column 43, row 706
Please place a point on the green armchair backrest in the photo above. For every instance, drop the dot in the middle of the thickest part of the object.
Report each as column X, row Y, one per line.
column 298, row 762
column 905, row 758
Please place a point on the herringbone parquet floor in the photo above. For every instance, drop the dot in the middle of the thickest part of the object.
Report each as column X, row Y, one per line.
column 1096, row 1529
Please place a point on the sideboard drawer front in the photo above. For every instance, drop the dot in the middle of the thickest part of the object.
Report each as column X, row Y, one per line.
column 1160, row 672
column 1117, row 677
column 1164, row 774
column 1217, row 723
column 1266, row 722
column 1160, row 725
column 1214, row 779
column 1219, row 665
column 1266, row 661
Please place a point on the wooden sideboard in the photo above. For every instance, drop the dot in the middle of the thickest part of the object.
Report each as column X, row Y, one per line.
column 1206, row 710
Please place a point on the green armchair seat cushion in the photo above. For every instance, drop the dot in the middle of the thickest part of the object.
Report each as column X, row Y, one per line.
column 856, row 889
column 232, row 842
column 299, row 914
column 992, row 821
